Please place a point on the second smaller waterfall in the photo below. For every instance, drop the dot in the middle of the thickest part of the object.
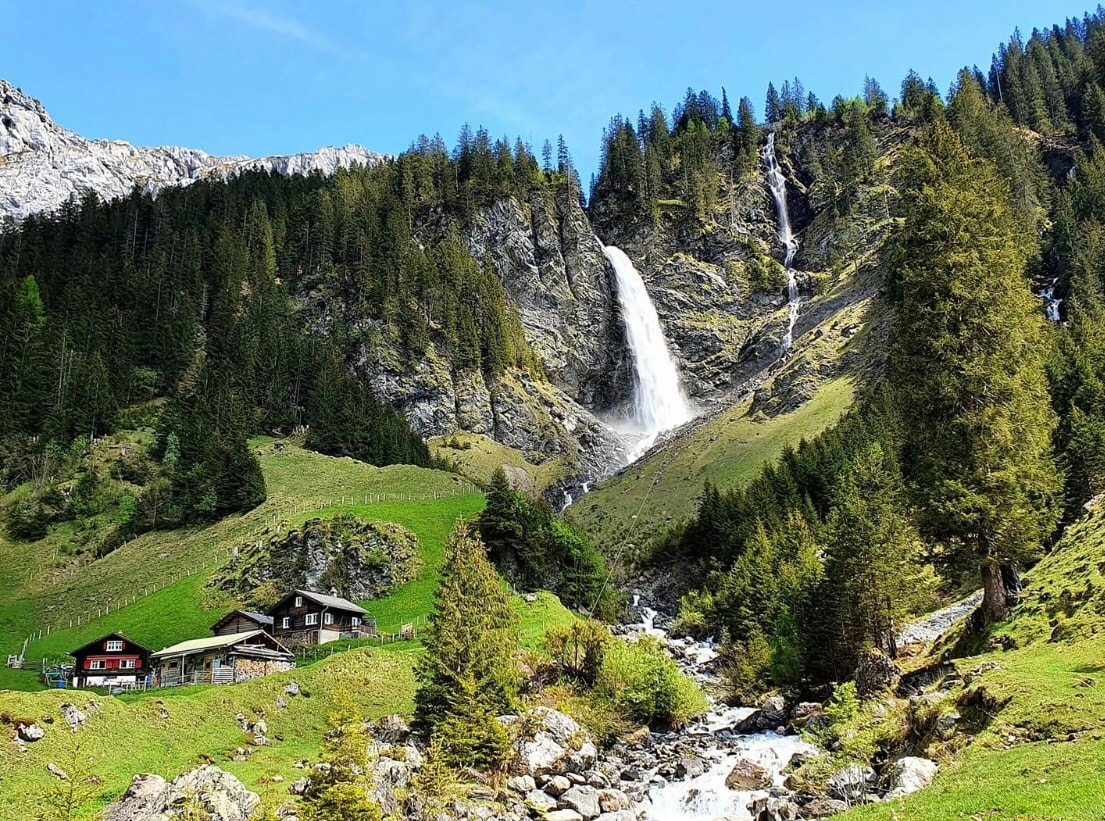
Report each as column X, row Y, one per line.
column 778, row 185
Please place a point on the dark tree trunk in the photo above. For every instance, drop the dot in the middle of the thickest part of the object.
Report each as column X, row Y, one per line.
column 995, row 605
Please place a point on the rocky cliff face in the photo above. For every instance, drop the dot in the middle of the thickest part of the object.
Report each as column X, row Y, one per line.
column 554, row 273
column 718, row 287
column 42, row 164
column 553, row 270
column 355, row 559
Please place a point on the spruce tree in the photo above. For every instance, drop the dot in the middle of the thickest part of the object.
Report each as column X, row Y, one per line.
column 872, row 571
column 967, row 364
column 773, row 108
column 467, row 675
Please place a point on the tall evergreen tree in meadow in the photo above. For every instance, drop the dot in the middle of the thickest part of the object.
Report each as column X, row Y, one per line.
column 466, row 676
column 968, row 366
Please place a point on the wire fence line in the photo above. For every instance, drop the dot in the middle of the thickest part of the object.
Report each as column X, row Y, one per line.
column 126, row 601
column 296, row 508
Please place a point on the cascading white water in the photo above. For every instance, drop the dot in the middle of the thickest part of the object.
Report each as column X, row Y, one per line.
column 707, row 797
column 1051, row 302
column 659, row 403
column 778, row 184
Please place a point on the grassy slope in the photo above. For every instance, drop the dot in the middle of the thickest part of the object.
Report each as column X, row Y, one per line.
column 664, row 488
column 1040, row 749
column 478, row 456
column 125, row 736
column 825, row 364
column 298, row 480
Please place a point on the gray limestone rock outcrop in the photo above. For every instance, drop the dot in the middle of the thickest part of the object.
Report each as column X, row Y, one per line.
column 358, row 559
column 550, row 743
column 554, row 273
column 213, row 791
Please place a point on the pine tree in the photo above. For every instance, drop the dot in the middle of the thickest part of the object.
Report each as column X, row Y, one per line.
column 467, row 675
column 968, row 367
column 773, row 108
column 875, row 97
column 342, row 790
column 872, row 576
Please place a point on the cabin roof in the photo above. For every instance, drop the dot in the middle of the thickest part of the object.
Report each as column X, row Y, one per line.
column 192, row 646
column 335, row 602
column 259, row 618
column 102, row 639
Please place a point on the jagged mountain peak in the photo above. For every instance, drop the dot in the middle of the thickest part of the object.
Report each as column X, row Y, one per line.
column 43, row 164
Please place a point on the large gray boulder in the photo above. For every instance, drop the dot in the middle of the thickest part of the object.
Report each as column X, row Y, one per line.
column 584, row 800
column 748, row 775
column 909, row 774
column 208, row 788
column 551, row 743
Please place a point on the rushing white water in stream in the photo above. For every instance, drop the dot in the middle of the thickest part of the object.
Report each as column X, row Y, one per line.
column 659, row 403
column 706, row 797
column 778, row 184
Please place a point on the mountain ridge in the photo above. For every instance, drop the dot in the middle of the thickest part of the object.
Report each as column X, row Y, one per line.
column 43, row 164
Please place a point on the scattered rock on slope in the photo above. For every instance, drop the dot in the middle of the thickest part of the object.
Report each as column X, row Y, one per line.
column 151, row 798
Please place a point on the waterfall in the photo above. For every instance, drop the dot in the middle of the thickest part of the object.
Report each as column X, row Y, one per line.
column 659, row 403
column 1051, row 302
column 778, row 184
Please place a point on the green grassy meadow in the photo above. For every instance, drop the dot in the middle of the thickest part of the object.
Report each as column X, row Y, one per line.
column 46, row 591
column 1035, row 711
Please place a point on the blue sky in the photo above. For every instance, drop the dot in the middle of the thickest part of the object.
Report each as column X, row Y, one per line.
column 277, row 76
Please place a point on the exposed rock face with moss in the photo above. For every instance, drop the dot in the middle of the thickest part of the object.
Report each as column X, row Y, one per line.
column 356, row 559
column 715, row 279
column 555, row 275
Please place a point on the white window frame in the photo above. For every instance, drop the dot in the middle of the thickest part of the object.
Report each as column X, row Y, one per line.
column 310, row 619
column 114, row 646
column 356, row 621
column 285, row 623
column 97, row 664
column 298, row 601
column 328, row 618
column 126, row 664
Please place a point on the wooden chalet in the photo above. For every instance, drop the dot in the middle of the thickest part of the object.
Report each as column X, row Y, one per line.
column 109, row 661
column 221, row 659
column 242, row 621
column 306, row 617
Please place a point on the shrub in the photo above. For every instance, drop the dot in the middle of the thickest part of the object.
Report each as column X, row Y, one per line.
column 602, row 720
column 640, row 679
column 28, row 520
column 578, row 648
column 746, row 666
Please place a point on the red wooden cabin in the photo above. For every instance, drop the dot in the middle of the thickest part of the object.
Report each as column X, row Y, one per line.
column 110, row 660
